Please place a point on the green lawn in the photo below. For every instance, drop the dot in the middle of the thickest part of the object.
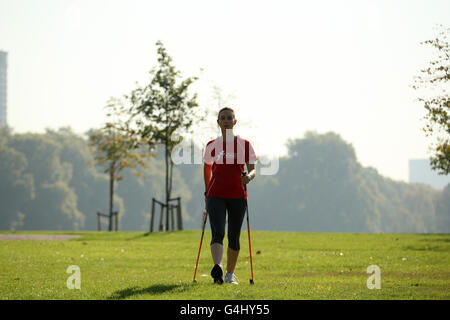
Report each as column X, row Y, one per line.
column 287, row 265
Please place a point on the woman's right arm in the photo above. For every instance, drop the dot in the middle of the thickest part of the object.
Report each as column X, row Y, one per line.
column 207, row 168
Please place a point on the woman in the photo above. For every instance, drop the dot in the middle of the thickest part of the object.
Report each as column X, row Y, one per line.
column 225, row 157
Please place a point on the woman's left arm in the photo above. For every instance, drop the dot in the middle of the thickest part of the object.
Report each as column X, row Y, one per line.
column 251, row 173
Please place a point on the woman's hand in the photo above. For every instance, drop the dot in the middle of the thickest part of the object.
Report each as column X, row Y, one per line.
column 250, row 175
column 246, row 179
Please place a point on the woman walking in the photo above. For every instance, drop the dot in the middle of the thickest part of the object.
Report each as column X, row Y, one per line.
column 226, row 157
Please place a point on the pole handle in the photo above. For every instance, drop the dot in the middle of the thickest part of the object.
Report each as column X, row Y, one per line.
column 244, row 173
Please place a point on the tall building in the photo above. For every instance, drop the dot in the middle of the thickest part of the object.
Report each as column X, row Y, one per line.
column 420, row 171
column 3, row 82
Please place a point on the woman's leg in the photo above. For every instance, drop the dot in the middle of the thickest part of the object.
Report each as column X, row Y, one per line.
column 236, row 213
column 217, row 253
column 232, row 256
column 217, row 219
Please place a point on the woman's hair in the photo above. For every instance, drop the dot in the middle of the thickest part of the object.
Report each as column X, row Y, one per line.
column 223, row 109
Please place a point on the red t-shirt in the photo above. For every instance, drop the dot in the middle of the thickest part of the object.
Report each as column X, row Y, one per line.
column 228, row 161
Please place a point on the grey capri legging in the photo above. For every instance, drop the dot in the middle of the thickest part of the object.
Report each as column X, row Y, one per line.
column 217, row 208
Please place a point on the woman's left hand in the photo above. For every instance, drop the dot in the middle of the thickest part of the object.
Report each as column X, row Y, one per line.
column 246, row 179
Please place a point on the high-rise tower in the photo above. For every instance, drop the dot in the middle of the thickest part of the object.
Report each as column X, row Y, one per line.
column 3, row 79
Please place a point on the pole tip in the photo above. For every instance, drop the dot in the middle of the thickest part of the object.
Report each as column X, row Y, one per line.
column 251, row 282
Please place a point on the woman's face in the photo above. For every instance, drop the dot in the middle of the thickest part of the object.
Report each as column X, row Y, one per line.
column 226, row 120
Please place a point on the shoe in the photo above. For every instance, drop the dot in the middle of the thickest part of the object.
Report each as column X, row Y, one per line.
column 231, row 278
column 217, row 274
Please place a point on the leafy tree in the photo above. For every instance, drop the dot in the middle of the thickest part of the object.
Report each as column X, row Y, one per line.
column 42, row 154
column 51, row 178
column 320, row 187
column 164, row 108
column 88, row 183
column 434, row 83
column 55, row 207
column 443, row 210
column 325, row 179
column 16, row 186
column 116, row 146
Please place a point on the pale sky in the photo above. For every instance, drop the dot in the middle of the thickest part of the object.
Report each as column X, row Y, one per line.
column 291, row 66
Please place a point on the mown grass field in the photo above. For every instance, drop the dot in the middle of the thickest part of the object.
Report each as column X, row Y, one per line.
column 287, row 265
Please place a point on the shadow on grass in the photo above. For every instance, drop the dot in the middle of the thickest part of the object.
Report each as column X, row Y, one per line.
column 447, row 239
column 142, row 235
column 135, row 291
column 155, row 233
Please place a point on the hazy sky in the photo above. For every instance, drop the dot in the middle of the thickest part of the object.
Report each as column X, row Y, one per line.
column 291, row 66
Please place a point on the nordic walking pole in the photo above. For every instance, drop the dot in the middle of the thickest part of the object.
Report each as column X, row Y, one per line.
column 248, row 232
column 205, row 217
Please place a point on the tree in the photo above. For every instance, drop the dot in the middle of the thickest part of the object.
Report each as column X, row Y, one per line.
column 164, row 108
column 16, row 186
column 443, row 210
column 54, row 205
column 321, row 171
column 118, row 147
column 87, row 181
column 434, row 80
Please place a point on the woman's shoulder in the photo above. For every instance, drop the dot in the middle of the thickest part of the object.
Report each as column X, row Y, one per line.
column 243, row 140
column 211, row 141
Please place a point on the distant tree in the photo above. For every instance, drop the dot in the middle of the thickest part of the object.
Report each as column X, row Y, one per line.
column 164, row 108
column 16, row 186
column 324, row 183
column 443, row 210
column 87, row 181
column 117, row 147
column 434, row 83
column 54, row 205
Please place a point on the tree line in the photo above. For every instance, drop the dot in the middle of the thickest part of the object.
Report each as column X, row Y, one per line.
column 50, row 182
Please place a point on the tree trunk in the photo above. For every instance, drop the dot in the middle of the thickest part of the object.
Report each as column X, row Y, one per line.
column 167, row 183
column 111, row 195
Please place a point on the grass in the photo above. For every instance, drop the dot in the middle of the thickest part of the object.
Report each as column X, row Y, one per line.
column 287, row 265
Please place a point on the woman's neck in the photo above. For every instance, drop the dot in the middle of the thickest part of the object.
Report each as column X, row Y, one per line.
column 227, row 134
